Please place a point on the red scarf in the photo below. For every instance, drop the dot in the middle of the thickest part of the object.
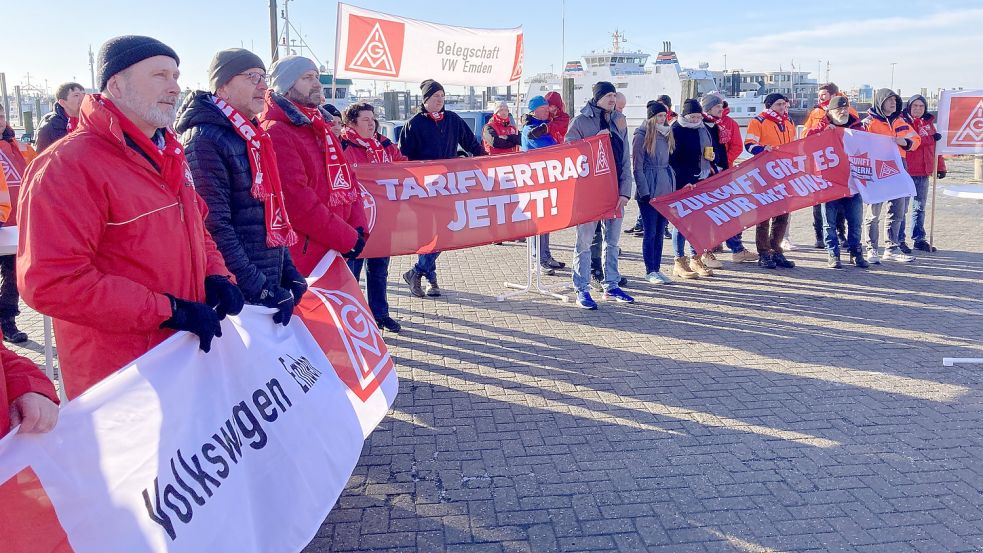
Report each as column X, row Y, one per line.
column 437, row 116
column 170, row 161
column 72, row 123
column 373, row 146
column 340, row 175
column 279, row 232
column 780, row 120
column 722, row 129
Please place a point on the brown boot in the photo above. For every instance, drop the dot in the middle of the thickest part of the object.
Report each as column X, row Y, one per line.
column 681, row 269
column 701, row 269
column 434, row 289
column 413, row 279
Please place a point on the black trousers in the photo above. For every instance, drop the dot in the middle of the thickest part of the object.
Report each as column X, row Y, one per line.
column 9, row 297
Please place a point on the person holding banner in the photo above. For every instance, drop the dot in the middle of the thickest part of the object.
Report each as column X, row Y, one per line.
column 920, row 165
column 697, row 155
column 27, row 397
column 817, row 118
column 433, row 133
column 234, row 167
column 885, row 118
column 500, row 135
column 12, row 164
column 319, row 186
column 599, row 116
column 851, row 208
column 112, row 243
column 651, row 146
column 535, row 134
column 362, row 144
column 770, row 128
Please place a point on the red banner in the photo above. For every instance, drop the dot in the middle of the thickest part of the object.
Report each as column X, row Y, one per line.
column 793, row 176
column 429, row 206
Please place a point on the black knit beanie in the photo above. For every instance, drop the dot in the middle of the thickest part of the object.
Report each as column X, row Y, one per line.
column 229, row 63
column 116, row 54
column 602, row 88
column 665, row 100
column 430, row 87
column 774, row 97
column 654, row 108
column 692, row 106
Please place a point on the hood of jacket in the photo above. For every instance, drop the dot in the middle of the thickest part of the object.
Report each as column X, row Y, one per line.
column 198, row 109
column 553, row 98
column 279, row 108
column 925, row 116
column 880, row 97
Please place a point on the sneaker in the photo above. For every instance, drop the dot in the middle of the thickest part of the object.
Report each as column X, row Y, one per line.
column 11, row 333
column 618, row 295
column 787, row 245
column 897, row 255
column 833, row 261
column 584, row 301
column 859, row 260
column 924, row 246
column 820, row 244
column 637, row 229
column 744, row 256
column 873, row 258
column 434, row 289
column 656, row 277
column 711, row 261
column 554, row 264
column 413, row 279
column 597, row 281
column 388, row 323
column 701, row 269
column 681, row 269
column 781, row 261
column 623, row 282
column 765, row 261
column 547, row 270
column 664, row 278
column 904, row 248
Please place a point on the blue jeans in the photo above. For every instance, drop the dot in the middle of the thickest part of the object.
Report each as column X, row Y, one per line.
column 735, row 243
column 678, row 241
column 426, row 265
column 852, row 209
column 918, row 204
column 896, row 210
column 544, row 248
column 611, row 229
column 653, row 225
column 376, row 276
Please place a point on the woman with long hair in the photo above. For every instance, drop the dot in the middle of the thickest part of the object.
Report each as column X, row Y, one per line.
column 651, row 146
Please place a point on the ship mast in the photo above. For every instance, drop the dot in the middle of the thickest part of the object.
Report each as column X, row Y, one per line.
column 617, row 39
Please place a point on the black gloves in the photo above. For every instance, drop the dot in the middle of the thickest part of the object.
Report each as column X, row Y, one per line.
column 514, row 139
column 222, row 295
column 937, row 137
column 280, row 299
column 359, row 245
column 645, row 199
column 293, row 281
column 539, row 131
column 197, row 318
column 940, row 174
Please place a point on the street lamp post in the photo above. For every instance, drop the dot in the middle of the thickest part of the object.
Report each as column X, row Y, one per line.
column 892, row 74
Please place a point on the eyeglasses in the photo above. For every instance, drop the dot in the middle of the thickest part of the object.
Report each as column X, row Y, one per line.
column 255, row 78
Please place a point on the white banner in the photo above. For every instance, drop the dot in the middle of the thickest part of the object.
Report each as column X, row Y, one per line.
column 960, row 122
column 379, row 46
column 245, row 448
column 877, row 171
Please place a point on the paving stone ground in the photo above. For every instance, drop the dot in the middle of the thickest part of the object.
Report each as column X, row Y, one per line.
column 757, row 411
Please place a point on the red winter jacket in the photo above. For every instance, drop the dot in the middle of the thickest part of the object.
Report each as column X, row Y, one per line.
column 920, row 161
column 102, row 239
column 19, row 376
column 730, row 137
column 13, row 164
column 306, row 190
column 559, row 121
column 356, row 154
column 498, row 131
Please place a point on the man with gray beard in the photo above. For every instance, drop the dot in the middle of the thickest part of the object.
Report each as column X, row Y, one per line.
column 112, row 239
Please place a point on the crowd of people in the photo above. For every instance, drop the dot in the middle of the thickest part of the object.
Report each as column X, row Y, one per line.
column 141, row 217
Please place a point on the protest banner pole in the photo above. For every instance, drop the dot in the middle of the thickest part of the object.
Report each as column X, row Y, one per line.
column 935, row 180
column 534, row 276
column 337, row 42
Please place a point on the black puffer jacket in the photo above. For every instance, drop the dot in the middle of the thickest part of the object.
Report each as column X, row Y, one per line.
column 424, row 139
column 53, row 126
column 220, row 166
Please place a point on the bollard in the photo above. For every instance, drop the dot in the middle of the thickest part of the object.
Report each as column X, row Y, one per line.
column 978, row 168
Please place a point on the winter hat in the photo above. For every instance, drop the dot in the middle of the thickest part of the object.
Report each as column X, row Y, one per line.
column 692, row 106
column 287, row 70
column 500, row 106
column 665, row 100
column 710, row 101
column 535, row 103
column 554, row 99
column 602, row 88
column 430, row 87
column 654, row 108
column 116, row 54
column 774, row 97
column 332, row 111
column 229, row 63
column 837, row 102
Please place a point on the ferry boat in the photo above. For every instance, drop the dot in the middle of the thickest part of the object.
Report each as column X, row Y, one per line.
column 640, row 82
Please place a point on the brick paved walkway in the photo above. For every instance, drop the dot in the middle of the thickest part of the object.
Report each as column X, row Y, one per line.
column 758, row 411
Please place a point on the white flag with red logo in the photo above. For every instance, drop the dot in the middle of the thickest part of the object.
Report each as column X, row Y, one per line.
column 960, row 122
column 245, row 448
column 877, row 170
column 379, row 46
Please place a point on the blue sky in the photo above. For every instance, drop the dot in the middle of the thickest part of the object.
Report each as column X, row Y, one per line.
column 935, row 43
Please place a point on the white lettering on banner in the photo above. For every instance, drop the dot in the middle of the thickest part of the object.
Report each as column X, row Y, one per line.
column 474, row 213
column 175, row 452
column 876, row 168
column 506, row 177
column 376, row 45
